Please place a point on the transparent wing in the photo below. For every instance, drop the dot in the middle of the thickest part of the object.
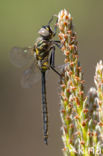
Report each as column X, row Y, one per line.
column 30, row 76
column 60, row 68
column 21, row 56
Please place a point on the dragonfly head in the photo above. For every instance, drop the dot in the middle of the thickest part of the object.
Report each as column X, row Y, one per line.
column 46, row 32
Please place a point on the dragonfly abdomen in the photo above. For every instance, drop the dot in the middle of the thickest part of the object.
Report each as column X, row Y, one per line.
column 44, row 109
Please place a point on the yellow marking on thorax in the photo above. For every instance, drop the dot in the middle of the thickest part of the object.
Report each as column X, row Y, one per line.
column 37, row 54
column 37, row 51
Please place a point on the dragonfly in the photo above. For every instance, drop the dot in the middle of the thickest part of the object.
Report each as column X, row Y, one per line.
column 40, row 58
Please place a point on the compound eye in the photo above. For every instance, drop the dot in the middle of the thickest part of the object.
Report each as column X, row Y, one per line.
column 43, row 32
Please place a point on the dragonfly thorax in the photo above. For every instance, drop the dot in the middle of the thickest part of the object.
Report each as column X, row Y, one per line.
column 42, row 49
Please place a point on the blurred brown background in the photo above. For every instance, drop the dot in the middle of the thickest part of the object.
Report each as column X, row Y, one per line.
column 20, row 109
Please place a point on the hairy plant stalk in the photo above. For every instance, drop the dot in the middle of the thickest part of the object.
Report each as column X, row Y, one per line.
column 90, row 118
column 81, row 116
column 98, row 79
column 71, row 88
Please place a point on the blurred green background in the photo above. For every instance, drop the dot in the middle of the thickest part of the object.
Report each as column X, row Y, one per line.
column 20, row 109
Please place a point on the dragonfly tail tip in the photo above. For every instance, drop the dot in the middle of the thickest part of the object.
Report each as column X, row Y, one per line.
column 46, row 140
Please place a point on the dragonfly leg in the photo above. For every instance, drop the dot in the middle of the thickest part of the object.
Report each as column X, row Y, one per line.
column 52, row 57
column 50, row 20
column 55, row 27
column 57, row 43
column 52, row 61
column 55, row 71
